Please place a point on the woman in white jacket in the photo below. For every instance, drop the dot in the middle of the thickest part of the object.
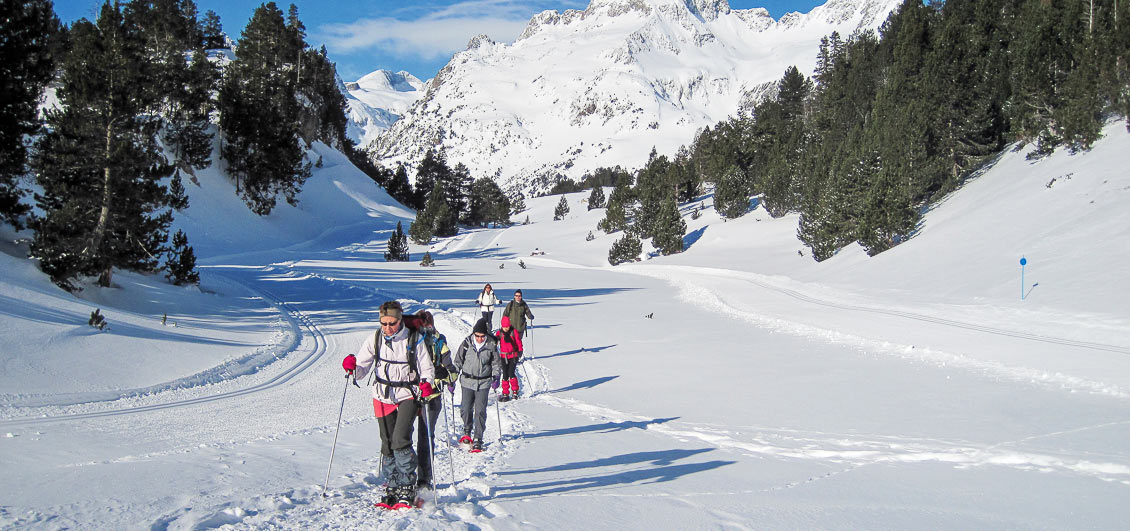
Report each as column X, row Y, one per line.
column 403, row 371
column 487, row 302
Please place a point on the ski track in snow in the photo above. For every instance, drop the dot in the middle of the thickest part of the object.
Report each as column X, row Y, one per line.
column 253, row 373
column 693, row 293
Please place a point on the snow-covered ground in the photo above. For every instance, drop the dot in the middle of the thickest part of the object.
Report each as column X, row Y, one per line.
column 736, row 385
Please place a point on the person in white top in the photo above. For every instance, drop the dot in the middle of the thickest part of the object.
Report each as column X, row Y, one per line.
column 487, row 302
column 402, row 372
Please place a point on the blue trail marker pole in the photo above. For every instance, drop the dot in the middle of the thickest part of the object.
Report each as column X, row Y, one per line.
column 1023, row 262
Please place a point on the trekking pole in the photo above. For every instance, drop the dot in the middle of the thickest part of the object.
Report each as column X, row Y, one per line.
column 338, row 430
column 498, row 416
column 431, row 448
column 450, row 453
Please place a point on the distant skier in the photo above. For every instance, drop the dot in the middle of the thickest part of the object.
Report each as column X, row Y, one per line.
column 487, row 301
column 480, row 367
column 510, row 350
column 517, row 310
column 446, row 374
column 402, row 370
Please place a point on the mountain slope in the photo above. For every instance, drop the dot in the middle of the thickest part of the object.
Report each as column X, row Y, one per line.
column 378, row 100
column 600, row 87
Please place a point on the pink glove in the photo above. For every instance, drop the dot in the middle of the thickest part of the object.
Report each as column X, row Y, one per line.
column 425, row 389
column 349, row 363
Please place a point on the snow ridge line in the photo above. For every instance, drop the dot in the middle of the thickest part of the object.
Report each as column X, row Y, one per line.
column 861, row 452
column 747, row 277
column 297, row 320
column 705, row 298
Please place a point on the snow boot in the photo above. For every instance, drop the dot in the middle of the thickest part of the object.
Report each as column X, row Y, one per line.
column 504, row 397
column 477, row 447
column 514, row 386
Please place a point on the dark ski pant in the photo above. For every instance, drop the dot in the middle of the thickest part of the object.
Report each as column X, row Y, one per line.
column 398, row 461
column 424, row 445
column 509, row 368
column 489, row 318
column 474, row 403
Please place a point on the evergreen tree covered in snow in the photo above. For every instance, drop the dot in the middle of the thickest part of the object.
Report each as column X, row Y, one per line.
column 260, row 115
column 397, row 249
column 26, row 66
column 99, row 164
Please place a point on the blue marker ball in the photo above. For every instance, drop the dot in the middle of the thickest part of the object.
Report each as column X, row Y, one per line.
column 1023, row 261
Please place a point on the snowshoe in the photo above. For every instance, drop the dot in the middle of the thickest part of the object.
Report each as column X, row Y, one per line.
column 466, row 439
column 477, row 447
column 504, row 397
column 387, row 501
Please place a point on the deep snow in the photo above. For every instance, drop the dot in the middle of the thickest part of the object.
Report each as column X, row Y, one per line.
column 915, row 389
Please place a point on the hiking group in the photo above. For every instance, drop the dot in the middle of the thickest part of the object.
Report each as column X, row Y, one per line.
column 410, row 363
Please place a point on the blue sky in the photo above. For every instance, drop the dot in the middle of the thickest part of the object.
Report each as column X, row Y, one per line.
column 418, row 36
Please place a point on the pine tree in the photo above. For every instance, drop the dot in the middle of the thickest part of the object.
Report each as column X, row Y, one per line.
column 616, row 215
column 731, row 194
column 212, row 31
column 260, row 115
column 670, row 228
column 596, row 198
column 100, row 165
column 26, row 65
column 430, row 173
column 399, row 188
column 626, row 249
column 427, row 260
column 562, row 209
column 397, row 246
column 517, row 203
column 180, row 264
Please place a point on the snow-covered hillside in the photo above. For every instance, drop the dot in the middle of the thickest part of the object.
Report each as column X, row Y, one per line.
column 598, row 88
column 737, row 384
column 378, row 100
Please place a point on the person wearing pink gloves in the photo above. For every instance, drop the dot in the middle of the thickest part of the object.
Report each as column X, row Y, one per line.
column 402, row 372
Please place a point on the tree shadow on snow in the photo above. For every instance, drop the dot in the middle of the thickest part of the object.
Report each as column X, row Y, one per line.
column 644, row 472
column 587, row 384
column 606, row 427
column 576, row 351
column 693, row 237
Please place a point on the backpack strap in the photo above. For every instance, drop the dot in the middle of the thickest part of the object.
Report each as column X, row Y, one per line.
column 413, row 340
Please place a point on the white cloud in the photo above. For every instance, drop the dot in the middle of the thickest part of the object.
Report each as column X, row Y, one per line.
column 438, row 33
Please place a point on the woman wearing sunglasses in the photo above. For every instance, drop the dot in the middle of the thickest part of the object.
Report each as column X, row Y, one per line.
column 402, row 372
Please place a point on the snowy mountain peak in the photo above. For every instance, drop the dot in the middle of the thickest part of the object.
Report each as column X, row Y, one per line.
column 478, row 41
column 378, row 100
column 579, row 90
